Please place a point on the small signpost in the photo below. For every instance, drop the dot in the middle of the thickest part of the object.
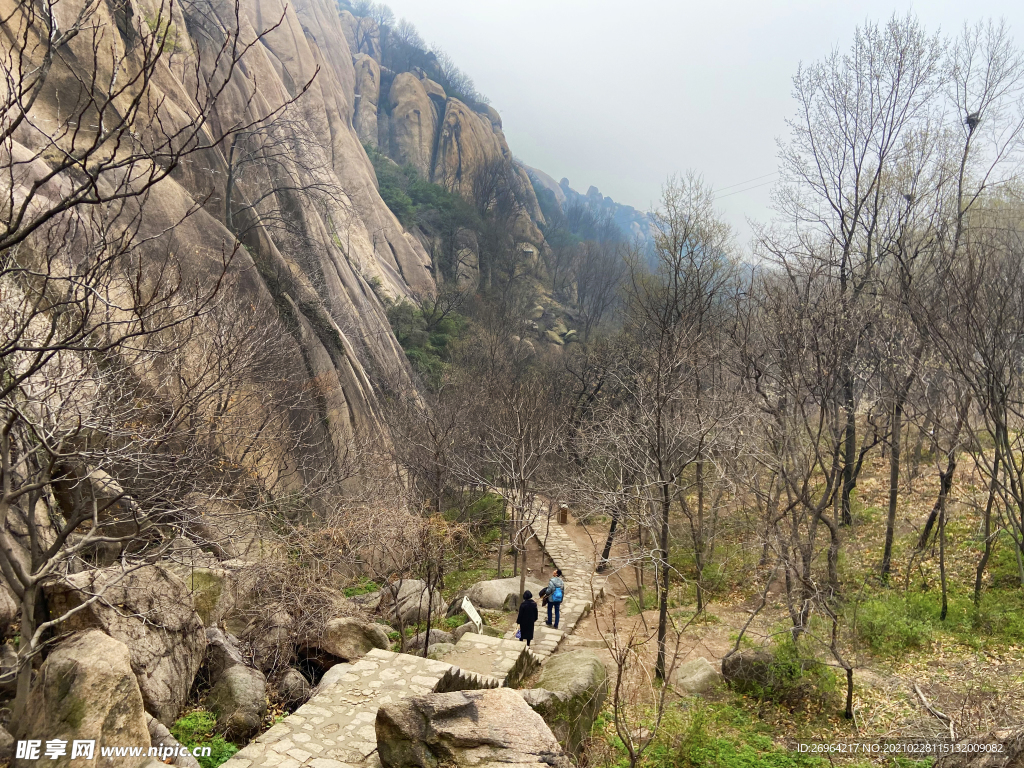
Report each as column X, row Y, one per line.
column 473, row 614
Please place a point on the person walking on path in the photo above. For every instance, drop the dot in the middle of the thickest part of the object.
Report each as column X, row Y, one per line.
column 527, row 617
column 554, row 593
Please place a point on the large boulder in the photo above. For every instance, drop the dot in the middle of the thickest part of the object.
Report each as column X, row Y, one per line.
column 569, row 695
column 213, row 593
column 87, row 689
column 159, row 736
column 223, row 651
column 8, row 667
column 438, row 651
column 351, row 639
column 436, row 636
column 151, row 611
column 467, row 728
column 1001, row 748
column 463, row 629
column 698, row 676
column 292, row 687
column 413, row 123
column 239, row 699
column 497, row 594
column 411, row 603
column 271, row 639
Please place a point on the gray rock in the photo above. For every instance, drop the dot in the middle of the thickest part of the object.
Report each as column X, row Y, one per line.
column 8, row 611
column 469, row 626
column 495, row 594
column 239, row 699
column 222, row 653
column 159, row 736
column 150, row 610
column 213, row 593
column 271, row 639
column 351, row 639
column 6, row 746
column 698, row 676
column 436, row 636
column 411, row 604
column 468, row 728
column 492, row 631
column 569, row 695
column 438, row 651
column 86, row 689
column 293, row 687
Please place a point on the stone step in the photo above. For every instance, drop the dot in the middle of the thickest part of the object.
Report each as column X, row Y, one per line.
column 503, row 660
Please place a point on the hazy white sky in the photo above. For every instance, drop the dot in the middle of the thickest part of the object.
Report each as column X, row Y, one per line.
column 622, row 94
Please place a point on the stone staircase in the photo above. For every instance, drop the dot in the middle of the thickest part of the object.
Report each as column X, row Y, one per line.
column 335, row 728
column 582, row 586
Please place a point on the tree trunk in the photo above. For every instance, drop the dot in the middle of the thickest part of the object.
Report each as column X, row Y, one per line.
column 850, row 448
column 606, row 552
column 28, row 629
column 663, row 582
column 983, row 563
column 894, row 483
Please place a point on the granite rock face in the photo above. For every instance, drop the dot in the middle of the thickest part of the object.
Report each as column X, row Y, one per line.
column 467, row 728
column 151, row 611
column 87, row 689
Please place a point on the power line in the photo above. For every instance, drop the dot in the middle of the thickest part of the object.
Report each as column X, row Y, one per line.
column 756, row 178
column 738, row 191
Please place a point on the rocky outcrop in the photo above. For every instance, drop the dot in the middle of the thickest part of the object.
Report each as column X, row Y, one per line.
column 414, row 123
column 239, row 699
column 368, row 96
column 213, row 593
column 496, row 594
column 292, row 687
column 469, row 728
column 436, row 636
column 569, row 695
column 150, row 610
column 698, row 676
column 350, row 638
column 411, row 603
column 270, row 638
column 87, row 689
column 362, row 34
column 222, row 652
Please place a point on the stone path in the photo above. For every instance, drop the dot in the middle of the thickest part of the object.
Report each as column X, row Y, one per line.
column 335, row 728
column 503, row 661
column 582, row 585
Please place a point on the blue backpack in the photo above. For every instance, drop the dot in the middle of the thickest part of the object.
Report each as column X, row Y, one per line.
column 556, row 596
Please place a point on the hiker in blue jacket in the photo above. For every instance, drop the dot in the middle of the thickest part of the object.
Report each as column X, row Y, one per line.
column 554, row 593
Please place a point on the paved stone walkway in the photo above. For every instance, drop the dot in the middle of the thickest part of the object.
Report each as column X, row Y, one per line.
column 582, row 585
column 335, row 728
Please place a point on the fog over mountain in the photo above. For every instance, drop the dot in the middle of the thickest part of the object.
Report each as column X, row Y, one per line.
column 618, row 95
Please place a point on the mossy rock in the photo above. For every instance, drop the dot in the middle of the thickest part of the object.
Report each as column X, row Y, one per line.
column 570, row 692
column 212, row 594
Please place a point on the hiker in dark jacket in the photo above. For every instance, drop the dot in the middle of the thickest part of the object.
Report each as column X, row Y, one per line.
column 555, row 594
column 527, row 617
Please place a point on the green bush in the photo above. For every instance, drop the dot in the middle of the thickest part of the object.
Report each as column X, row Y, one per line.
column 196, row 729
column 893, row 624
